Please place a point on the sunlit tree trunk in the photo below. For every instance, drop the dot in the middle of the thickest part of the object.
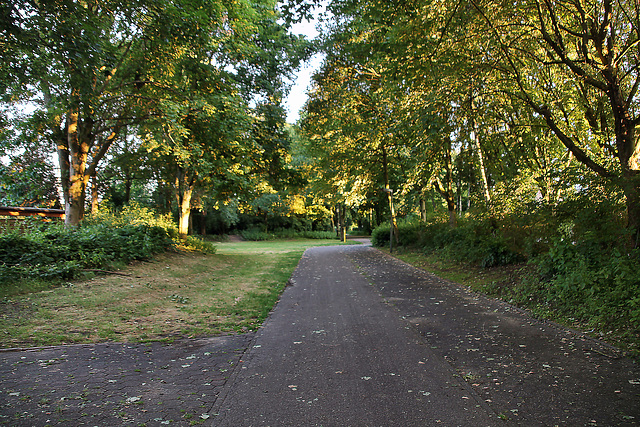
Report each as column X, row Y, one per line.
column 78, row 151
column 478, row 150
column 184, row 186
column 448, row 190
column 73, row 158
column 94, row 193
column 389, row 191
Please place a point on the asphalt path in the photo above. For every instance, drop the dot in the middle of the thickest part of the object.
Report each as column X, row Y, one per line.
column 359, row 338
column 362, row 339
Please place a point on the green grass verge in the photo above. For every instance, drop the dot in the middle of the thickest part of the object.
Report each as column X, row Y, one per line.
column 175, row 295
column 517, row 284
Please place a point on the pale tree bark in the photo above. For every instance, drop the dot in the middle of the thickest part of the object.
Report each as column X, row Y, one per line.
column 184, row 187
column 78, row 152
column 389, row 191
column 76, row 166
column 478, row 151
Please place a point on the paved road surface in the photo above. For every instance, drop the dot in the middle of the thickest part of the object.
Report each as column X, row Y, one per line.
column 333, row 354
column 358, row 339
column 362, row 339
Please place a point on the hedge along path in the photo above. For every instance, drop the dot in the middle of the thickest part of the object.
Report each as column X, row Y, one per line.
column 176, row 295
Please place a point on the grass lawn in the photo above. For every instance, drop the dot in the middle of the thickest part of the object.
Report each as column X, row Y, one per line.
column 175, row 295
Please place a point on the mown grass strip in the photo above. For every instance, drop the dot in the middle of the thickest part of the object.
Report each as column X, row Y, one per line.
column 173, row 296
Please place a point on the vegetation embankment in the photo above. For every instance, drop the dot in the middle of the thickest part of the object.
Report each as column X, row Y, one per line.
column 259, row 235
column 44, row 255
column 570, row 264
column 129, row 277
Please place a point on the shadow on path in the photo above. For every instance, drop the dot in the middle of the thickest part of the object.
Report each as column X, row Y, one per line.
column 363, row 339
column 358, row 339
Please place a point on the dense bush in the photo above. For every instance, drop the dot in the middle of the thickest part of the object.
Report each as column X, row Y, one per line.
column 589, row 279
column 132, row 214
column 257, row 235
column 57, row 253
column 473, row 242
column 52, row 253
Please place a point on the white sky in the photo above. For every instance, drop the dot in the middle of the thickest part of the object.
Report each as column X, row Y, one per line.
column 298, row 94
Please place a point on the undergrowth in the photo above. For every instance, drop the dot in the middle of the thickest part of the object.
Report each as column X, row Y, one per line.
column 580, row 269
column 258, row 235
column 41, row 255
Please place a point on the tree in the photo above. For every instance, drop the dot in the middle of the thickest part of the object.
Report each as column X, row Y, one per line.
column 87, row 66
column 29, row 180
column 207, row 134
column 575, row 64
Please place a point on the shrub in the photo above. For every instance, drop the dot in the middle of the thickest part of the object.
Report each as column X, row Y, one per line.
column 380, row 236
column 196, row 244
column 257, row 235
column 474, row 242
column 53, row 253
column 58, row 253
column 132, row 214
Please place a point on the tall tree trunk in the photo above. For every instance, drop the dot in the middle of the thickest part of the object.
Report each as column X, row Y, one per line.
column 459, row 194
column 448, row 190
column 632, row 194
column 184, row 186
column 73, row 155
column 203, row 223
column 94, row 194
column 65, row 166
column 343, row 226
column 185, row 213
column 478, row 149
column 389, row 191
column 629, row 148
column 78, row 150
column 423, row 209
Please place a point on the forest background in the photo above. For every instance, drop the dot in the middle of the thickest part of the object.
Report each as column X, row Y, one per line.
column 487, row 132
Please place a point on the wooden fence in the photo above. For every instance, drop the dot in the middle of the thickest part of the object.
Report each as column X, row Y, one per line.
column 11, row 217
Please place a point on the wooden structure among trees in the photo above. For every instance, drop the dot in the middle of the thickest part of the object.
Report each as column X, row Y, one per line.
column 41, row 212
column 14, row 213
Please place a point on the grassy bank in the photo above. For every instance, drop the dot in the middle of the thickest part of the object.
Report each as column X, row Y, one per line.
column 519, row 284
column 174, row 295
